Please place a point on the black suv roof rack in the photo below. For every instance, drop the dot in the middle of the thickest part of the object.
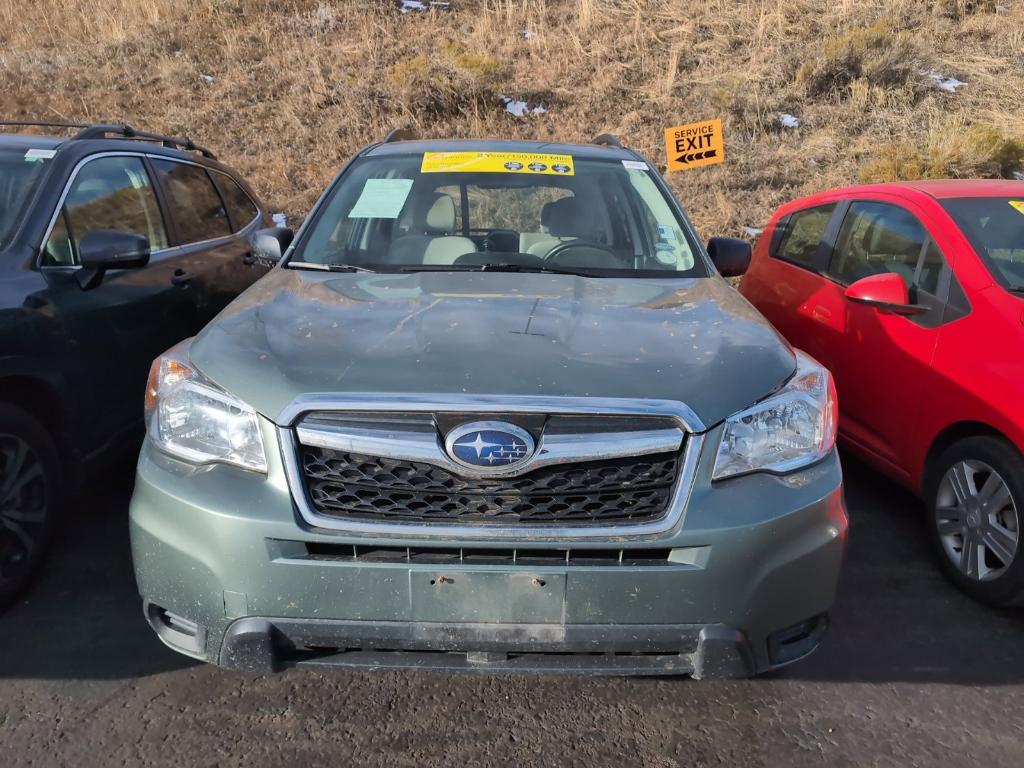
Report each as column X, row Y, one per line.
column 121, row 130
column 399, row 134
column 607, row 140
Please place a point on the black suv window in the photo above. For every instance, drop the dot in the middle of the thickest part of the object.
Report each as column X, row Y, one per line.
column 107, row 193
column 880, row 237
column 804, row 231
column 19, row 177
column 241, row 208
column 196, row 206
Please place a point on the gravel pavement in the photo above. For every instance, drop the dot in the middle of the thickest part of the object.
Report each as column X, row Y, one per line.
column 911, row 673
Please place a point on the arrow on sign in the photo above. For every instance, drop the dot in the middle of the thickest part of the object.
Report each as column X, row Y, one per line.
column 690, row 157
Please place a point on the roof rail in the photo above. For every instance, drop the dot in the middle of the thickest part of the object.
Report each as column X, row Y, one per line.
column 399, row 134
column 102, row 131
column 607, row 140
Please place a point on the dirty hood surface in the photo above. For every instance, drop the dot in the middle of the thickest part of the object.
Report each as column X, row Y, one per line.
column 296, row 332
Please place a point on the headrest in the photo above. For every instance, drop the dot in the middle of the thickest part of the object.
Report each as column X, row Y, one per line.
column 568, row 217
column 436, row 216
column 891, row 242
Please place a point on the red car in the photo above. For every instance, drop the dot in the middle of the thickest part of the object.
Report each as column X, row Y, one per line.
column 913, row 295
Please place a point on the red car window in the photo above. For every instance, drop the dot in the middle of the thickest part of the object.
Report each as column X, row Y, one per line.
column 804, row 231
column 876, row 238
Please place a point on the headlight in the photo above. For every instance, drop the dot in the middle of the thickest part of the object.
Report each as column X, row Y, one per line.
column 791, row 429
column 190, row 417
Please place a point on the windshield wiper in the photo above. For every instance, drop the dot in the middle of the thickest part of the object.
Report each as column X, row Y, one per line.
column 496, row 268
column 328, row 267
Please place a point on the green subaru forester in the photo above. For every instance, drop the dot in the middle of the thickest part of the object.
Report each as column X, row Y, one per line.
column 495, row 409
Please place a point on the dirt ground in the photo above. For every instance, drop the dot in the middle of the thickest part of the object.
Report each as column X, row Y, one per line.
column 912, row 673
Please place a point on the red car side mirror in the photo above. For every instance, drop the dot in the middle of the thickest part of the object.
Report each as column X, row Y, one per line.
column 885, row 292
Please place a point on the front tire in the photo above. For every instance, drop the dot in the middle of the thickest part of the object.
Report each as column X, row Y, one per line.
column 974, row 492
column 29, row 488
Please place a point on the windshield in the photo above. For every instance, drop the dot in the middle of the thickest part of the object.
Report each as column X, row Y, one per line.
column 20, row 171
column 481, row 210
column 995, row 227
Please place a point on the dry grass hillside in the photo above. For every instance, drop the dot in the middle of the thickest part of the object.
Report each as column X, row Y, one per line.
column 285, row 90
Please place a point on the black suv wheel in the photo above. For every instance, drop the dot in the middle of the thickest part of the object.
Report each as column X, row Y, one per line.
column 975, row 497
column 29, row 485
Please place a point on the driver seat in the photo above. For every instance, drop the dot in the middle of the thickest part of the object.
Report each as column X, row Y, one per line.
column 568, row 218
column 431, row 239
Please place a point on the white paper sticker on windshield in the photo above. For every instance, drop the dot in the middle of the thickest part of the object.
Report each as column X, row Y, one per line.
column 40, row 154
column 381, row 199
column 634, row 165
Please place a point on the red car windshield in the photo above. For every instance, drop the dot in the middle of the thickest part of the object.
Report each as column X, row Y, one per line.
column 995, row 227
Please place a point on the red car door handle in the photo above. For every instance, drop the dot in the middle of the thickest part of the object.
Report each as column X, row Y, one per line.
column 819, row 312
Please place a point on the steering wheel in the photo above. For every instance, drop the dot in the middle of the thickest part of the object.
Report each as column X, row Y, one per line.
column 609, row 259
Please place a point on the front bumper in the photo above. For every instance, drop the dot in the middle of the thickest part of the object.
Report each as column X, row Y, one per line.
column 747, row 586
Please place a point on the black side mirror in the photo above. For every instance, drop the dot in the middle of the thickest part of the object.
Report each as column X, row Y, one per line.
column 269, row 245
column 730, row 255
column 103, row 249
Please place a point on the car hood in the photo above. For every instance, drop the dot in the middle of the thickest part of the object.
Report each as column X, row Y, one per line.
column 485, row 333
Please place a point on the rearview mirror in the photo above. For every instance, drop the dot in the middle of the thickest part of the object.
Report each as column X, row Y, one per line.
column 730, row 255
column 103, row 249
column 887, row 293
column 269, row 245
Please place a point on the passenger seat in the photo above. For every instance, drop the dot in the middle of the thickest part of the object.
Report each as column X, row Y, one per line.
column 431, row 239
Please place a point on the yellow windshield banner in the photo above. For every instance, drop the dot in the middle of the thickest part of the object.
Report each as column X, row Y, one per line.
column 1018, row 204
column 497, row 162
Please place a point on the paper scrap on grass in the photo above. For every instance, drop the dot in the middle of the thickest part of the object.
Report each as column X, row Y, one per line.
column 207, row 78
column 949, row 84
column 381, row 199
column 521, row 108
column 751, row 231
column 527, row 33
column 422, row 5
column 787, row 120
column 1018, row 176
column 279, row 219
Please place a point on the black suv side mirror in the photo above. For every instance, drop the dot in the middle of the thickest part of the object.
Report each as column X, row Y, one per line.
column 730, row 255
column 103, row 249
column 269, row 245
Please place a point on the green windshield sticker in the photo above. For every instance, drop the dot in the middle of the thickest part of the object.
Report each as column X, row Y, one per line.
column 381, row 199
column 1018, row 204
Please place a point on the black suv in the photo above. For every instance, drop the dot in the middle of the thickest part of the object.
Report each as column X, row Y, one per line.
column 114, row 245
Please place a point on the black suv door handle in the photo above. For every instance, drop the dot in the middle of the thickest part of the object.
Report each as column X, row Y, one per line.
column 180, row 277
column 248, row 259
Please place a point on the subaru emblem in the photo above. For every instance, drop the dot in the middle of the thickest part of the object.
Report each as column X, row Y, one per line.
column 483, row 445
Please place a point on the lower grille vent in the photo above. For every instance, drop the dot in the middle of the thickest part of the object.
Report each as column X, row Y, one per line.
column 472, row 555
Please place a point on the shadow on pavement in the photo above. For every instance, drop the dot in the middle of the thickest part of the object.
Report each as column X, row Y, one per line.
column 84, row 618
column 896, row 619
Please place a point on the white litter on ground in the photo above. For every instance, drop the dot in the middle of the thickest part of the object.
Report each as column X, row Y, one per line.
column 751, row 231
column 1018, row 175
column 527, row 34
column 787, row 120
column 279, row 219
column 207, row 78
column 521, row 108
column 423, row 5
column 1002, row 9
column 949, row 84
